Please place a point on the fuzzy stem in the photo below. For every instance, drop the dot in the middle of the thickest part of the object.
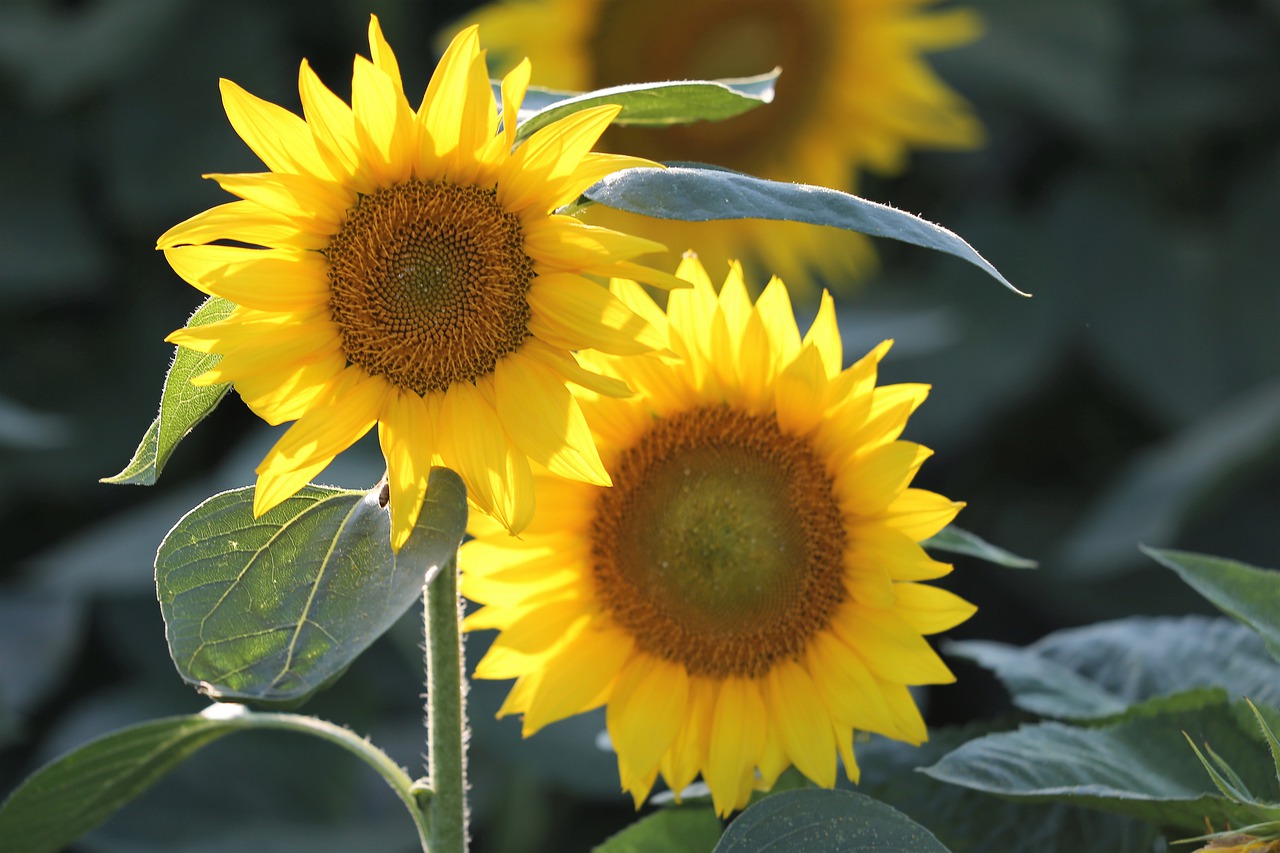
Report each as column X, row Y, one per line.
column 446, row 712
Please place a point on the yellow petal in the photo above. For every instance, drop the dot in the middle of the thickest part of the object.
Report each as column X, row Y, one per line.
column 871, row 483
column 891, row 649
column 737, row 741
column 475, row 444
column 645, row 711
column 571, row 312
column 850, row 693
column 514, row 86
column 266, row 279
column 825, row 335
column 549, row 156
column 919, row 514
column 291, row 393
column 384, row 122
column 243, row 222
column 775, row 310
column 896, row 553
column 407, row 436
column 383, row 57
column 796, row 709
column 440, row 116
column 566, row 364
column 688, row 752
column 562, row 242
column 574, row 679
column 544, row 420
column 281, row 139
column 798, row 393
column 333, row 126
column 318, row 437
column 314, row 205
column 929, row 610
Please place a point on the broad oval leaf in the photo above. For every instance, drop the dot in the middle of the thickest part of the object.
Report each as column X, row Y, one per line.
column 651, row 104
column 182, row 405
column 74, row 793
column 816, row 819
column 270, row 610
column 677, row 829
column 1141, row 767
column 957, row 541
column 1102, row 670
column 1246, row 593
column 695, row 193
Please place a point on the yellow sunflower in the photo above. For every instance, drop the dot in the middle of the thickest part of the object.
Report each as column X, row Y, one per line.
column 405, row 268
column 747, row 594
column 855, row 94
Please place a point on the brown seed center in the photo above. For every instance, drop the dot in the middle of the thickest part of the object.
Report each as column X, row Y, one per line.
column 720, row 544
column 428, row 284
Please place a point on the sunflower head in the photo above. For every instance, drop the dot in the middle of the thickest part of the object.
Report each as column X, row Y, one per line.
column 749, row 592
column 856, row 94
column 404, row 267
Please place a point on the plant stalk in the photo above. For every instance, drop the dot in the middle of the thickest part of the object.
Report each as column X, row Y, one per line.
column 446, row 714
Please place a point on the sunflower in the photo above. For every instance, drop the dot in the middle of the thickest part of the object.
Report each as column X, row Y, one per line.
column 855, row 94
column 747, row 594
column 405, row 268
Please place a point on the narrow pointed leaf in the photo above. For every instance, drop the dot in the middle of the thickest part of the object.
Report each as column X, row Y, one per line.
column 957, row 541
column 816, row 819
column 74, row 793
column 1246, row 593
column 270, row 610
column 182, row 405
column 651, row 104
column 695, row 193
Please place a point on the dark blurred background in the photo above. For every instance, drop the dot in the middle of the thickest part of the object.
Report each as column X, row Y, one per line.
column 1131, row 182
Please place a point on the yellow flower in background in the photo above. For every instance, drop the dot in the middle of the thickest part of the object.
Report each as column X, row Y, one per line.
column 404, row 268
column 748, row 593
column 855, row 94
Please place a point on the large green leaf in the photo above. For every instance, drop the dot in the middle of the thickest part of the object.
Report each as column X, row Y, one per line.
column 969, row 821
column 652, row 104
column 73, row 794
column 270, row 610
column 1246, row 593
column 1141, row 767
column 677, row 829
column 957, row 541
column 817, row 819
column 1101, row 670
column 182, row 405
column 694, row 193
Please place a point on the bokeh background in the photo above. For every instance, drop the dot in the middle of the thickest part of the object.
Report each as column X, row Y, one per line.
column 1131, row 182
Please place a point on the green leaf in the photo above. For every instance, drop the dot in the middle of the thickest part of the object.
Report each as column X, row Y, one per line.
column 71, row 795
column 652, row 104
column 695, row 193
column 270, row 610
column 679, row 829
column 817, row 819
column 969, row 821
column 1101, row 670
column 1140, row 767
column 957, row 541
column 182, row 405
column 1246, row 593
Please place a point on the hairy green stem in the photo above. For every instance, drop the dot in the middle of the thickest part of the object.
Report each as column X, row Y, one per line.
column 446, row 715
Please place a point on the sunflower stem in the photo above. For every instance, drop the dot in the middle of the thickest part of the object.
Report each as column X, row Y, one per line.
column 446, row 714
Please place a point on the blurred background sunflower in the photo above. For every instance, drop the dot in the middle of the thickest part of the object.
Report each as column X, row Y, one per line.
column 1130, row 180
column 856, row 95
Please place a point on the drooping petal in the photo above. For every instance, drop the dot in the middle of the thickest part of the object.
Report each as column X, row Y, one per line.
column 406, row 433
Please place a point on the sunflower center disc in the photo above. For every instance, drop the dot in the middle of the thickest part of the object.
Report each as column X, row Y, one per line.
column 720, row 545
column 428, row 284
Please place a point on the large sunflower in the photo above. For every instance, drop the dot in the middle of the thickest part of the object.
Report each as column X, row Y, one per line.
column 748, row 593
column 855, row 94
column 405, row 268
